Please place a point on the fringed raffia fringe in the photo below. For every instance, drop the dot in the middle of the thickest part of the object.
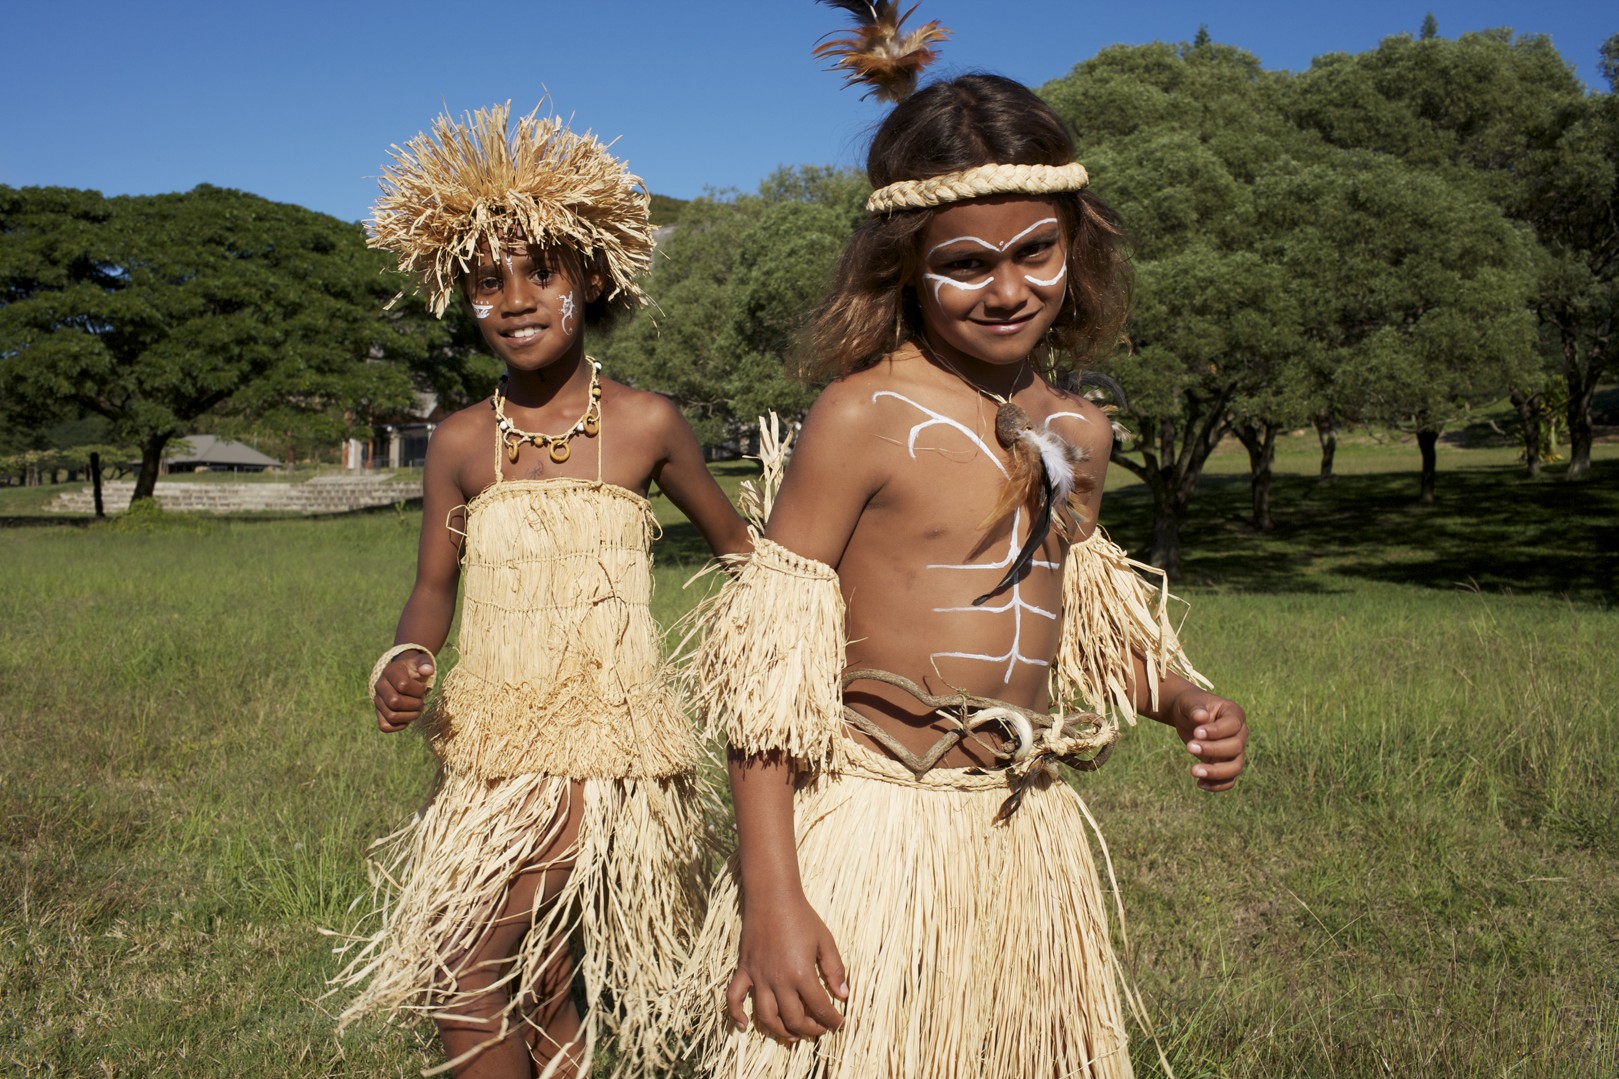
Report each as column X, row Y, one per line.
column 561, row 670
column 1111, row 611
column 629, row 904
column 974, row 950
column 768, row 668
column 755, row 500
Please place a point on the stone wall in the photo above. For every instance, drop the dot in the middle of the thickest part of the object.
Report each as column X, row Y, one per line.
column 325, row 494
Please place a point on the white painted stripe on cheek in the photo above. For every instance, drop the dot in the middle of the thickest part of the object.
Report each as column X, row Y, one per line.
column 567, row 313
column 940, row 281
column 1062, row 273
column 482, row 309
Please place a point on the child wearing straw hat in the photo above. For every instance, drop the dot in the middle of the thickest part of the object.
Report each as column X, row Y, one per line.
column 931, row 623
column 561, row 845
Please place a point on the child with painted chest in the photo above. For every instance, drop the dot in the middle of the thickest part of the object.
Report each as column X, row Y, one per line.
column 929, row 625
column 565, row 819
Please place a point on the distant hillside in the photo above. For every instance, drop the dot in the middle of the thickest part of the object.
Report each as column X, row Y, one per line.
column 666, row 210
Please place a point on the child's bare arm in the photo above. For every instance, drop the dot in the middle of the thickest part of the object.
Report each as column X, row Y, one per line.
column 787, row 959
column 401, row 691
column 1214, row 728
column 685, row 478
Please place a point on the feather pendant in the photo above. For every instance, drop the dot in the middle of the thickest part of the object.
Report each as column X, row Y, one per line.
column 1045, row 467
column 1037, row 537
column 878, row 52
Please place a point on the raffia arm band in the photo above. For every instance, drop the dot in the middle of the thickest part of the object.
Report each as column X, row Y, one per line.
column 767, row 671
column 1113, row 610
column 393, row 653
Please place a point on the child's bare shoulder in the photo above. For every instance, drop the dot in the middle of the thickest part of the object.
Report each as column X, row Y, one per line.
column 843, row 408
column 863, row 400
column 642, row 407
column 461, row 428
column 1080, row 421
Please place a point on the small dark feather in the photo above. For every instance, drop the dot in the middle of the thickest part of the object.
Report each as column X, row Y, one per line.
column 864, row 13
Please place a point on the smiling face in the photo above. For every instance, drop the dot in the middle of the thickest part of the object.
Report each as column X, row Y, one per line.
column 993, row 278
column 529, row 303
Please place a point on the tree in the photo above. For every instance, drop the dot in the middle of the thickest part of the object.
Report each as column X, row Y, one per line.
column 1177, row 138
column 152, row 311
column 1415, row 289
column 1507, row 117
column 733, row 287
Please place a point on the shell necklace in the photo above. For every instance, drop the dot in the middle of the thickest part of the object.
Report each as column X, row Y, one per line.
column 587, row 425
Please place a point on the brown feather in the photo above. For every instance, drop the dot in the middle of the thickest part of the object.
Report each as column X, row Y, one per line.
column 878, row 53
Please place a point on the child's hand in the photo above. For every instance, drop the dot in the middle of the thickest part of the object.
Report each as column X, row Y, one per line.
column 1215, row 731
column 787, row 960
column 401, row 692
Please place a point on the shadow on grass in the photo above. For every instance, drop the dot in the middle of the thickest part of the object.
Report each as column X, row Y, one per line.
column 1489, row 529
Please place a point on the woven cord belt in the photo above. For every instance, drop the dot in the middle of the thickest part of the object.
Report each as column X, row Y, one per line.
column 1082, row 740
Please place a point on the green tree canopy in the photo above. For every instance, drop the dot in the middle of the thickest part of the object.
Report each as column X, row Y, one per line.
column 152, row 311
column 1177, row 138
column 1505, row 116
column 733, row 287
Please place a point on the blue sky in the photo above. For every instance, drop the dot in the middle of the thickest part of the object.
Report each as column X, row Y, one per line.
column 299, row 101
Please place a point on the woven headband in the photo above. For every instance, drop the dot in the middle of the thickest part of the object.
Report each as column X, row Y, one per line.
column 978, row 182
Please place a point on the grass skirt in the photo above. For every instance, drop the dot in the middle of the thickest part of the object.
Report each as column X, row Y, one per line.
column 629, row 905
column 974, row 950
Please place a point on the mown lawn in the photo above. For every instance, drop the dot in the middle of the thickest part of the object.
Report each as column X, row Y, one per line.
column 1419, row 874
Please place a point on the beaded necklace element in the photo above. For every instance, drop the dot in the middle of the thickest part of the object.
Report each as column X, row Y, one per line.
column 587, row 425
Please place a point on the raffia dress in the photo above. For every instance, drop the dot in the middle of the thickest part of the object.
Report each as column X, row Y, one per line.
column 976, row 942
column 559, row 679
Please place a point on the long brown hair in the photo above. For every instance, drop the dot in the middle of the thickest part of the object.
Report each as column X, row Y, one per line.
column 968, row 121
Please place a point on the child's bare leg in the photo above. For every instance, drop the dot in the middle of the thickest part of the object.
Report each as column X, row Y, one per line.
column 553, row 1024
column 481, row 1001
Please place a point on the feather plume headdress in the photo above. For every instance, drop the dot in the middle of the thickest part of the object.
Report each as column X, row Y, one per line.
column 878, row 52
column 476, row 180
column 880, row 55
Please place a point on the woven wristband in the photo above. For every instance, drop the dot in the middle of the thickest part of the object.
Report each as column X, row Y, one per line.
column 395, row 652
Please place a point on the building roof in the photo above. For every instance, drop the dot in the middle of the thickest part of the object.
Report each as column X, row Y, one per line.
column 214, row 451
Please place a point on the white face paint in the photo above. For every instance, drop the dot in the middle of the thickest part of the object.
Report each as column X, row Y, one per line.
column 1015, row 605
column 482, row 309
column 986, row 245
column 938, row 281
column 567, row 313
column 1033, row 280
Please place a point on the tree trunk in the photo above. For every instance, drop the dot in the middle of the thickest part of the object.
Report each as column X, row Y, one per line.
column 1427, row 440
column 1581, row 391
column 1580, row 373
column 1260, row 442
column 1327, row 432
column 1174, row 452
column 95, row 485
column 1166, row 539
column 151, row 461
column 1528, row 406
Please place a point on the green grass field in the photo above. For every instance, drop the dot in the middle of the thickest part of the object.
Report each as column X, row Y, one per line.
column 1418, row 876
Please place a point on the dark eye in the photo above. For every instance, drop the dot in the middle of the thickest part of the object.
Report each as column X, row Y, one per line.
column 487, row 283
column 1038, row 249
column 964, row 266
column 543, row 274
